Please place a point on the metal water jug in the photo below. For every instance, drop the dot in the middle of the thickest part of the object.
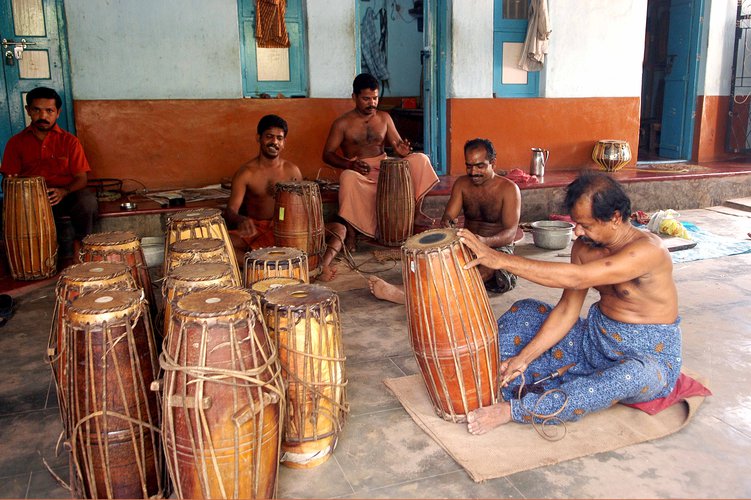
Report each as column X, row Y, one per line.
column 538, row 161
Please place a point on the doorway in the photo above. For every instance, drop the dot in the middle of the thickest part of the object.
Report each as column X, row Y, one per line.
column 669, row 76
column 33, row 54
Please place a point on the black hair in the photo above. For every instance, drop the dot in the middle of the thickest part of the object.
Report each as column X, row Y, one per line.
column 271, row 121
column 481, row 143
column 606, row 193
column 364, row 81
column 44, row 93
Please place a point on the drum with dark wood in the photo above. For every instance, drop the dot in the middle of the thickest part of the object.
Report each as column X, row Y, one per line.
column 189, row 278
column 29, row 228
column 115, row 443
column 304, row 321
column 451, row 325
column 395, row 202
column 611, row 155
column 201, row 223
column 195, row 251
column 74, row 281
column 223, row 397
column 123, row 247
column 273, row 262
column 298, row 220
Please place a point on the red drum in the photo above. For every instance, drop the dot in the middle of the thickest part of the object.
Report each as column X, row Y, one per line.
column 223, row 397
column 29, row 228
column 123, row 247
column 74, row 281
column 298, row 220
column 611, row 155
column 195, row 251
column 395, row 202
column 304, row 320
column 189, row 278
column 275, row 262
column 451, row 325
column 200, row 223
column 116, row 449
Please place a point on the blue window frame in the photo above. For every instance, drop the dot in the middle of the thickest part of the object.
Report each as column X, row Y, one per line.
column 509, row 30
column 282, row 71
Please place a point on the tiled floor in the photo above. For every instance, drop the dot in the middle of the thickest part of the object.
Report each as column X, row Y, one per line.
column 383, row 454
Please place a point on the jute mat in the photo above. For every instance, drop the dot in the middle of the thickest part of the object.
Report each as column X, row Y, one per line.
column 387, row 254
column 514, row 447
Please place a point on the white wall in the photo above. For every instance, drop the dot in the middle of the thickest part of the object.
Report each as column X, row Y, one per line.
column 148, row 49
column 471, row 54
column 717, row 49
column 331, row 47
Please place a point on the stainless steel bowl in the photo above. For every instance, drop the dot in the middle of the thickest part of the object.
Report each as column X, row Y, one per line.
column 128, row 205
column 552, row 234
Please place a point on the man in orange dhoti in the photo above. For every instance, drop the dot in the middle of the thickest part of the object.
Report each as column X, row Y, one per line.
column 360, row 135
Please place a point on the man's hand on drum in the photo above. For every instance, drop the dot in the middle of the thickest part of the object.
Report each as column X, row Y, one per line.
column 510, row 369
column 359, row 166
column 246, row 228
column 485, row 255
column 403, row 147
column 56, row 195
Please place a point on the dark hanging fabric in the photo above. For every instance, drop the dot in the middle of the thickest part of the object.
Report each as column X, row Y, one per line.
column 271, row 30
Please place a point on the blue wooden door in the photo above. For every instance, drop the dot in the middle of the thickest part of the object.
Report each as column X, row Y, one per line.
column 679, row 104
column 434, row 57
column 31, row 29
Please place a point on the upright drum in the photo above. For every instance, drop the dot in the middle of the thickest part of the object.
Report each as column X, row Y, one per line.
column 304, row 320
column 395, row 202
column 195, row 251
column 115, row 442
column 451, row 325
column 223, row 397
column 29, row 228
column 271, row 262
column 298, row 220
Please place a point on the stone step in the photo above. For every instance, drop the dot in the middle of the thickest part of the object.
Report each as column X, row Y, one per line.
column 739, row 204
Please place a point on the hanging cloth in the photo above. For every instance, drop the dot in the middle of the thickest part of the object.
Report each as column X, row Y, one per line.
column 374, row 46
column 538, row 34
column 271, row 30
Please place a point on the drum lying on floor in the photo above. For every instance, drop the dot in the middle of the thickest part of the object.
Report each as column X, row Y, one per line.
column 451, row 325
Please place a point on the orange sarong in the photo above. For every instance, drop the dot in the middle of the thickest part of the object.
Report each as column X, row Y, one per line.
column 357, row 192
column 262, row 239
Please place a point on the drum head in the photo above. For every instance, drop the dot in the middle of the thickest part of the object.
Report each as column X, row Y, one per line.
column 267, row 284
column 197, row 245
column 297, row 186
column 94, row 271
column 200, row 272
column 275, row 254
column 103, row 306
column 434, row 238
column 298, row 296
column 212, row 302
column 195, row 214
column 110, row 239
column 389, row 162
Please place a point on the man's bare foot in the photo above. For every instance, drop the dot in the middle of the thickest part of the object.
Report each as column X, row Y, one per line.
column 485, row 419
column 386, row 291
column 328, row 273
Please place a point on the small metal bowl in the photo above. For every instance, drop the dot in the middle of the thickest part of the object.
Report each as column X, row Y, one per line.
column 128, row 205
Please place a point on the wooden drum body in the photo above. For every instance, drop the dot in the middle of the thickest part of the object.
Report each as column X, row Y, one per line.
column 189, row 278
column 611, row 154
column 223, row 397
column 304, row 320
column 115, row 440
column 200, row 223
column 395, row 202
column 74, row 281
column 451, row 325
column 29, row 228
column 298, row 220
column 274, row 262
column 123, row 247
column 195, row 251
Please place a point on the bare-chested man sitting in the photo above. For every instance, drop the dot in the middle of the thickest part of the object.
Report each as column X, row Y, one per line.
column 491, row 205
column 360, row 135
column 251, row 204
column 628, row 349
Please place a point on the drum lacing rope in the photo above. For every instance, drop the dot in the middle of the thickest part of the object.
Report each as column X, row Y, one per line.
column 546, row 419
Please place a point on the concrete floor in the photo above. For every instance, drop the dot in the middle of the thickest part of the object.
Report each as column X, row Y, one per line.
column 383, row 453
